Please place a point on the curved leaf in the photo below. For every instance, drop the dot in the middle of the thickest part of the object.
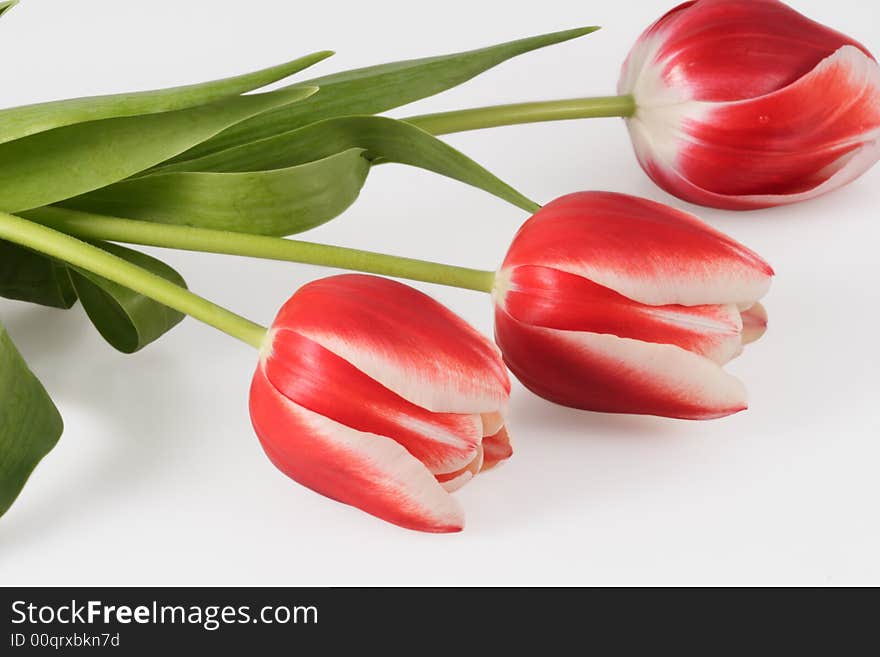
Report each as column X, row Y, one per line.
column 126, row 319
column 276, row 202
column 379, row 88
column 271, row 187
column 6, row 6
column 29, row 276
column 30, row 425
column 54, row 165
column 17, row 122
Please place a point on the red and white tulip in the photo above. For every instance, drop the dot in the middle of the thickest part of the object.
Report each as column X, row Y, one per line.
column 374, row 394
column 747, row 104
column 608, row 302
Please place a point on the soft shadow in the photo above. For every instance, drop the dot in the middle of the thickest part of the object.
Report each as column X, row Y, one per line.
column 132, row 445
column 43, row 334
column 578, row 458
column 533, row 415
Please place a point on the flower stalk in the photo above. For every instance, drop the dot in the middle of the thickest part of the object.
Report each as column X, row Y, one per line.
column 97, row 227
column 494, row 116
column 97, row 261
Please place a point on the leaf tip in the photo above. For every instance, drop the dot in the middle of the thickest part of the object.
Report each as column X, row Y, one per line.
column 6, row 6
column 316, row 57
column 309, row 91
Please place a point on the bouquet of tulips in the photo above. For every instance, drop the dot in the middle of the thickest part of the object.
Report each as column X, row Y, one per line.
column 369, row 391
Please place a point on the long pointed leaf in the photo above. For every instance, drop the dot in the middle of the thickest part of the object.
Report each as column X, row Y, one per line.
column 30, row 425
column 29, row 276
column 379, row 88
column 126, row 319
column 51, row 166
column 276, row 193
column 276, row 202
column 6, row 6
column 17, row 122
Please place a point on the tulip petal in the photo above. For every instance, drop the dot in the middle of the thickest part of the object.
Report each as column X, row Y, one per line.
column 746, row 105
column 722, row 50
column 370, row 472
column 319, row 380
column 851, row 167
column 646, row 251
column 785, row 146
column 605, row 373
column 555, row 299
column 754, row 321
column 403, row 339
column 496, row 448
column 453, row 481
column 492, row 423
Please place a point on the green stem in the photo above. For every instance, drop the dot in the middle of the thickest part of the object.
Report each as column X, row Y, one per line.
column 498, row 115
column 91, row 226
column 85, row 256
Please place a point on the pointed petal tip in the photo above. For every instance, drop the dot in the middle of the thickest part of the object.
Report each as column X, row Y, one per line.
column 739, row 409
column 452, row 523
column 452, row 526
column 451, row 529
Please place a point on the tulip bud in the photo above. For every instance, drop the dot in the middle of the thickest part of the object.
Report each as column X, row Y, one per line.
column 608, row 302
column 746, row 104
column 373, row 394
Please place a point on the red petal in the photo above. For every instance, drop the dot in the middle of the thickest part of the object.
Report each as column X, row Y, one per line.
column 852, row 167
column 403, row 339
column 319, row 380
column 496, row 448
column 722, row 50
column 618, row 375
column 790, row 142
column 364, row 470
column 546, row 297
column 646, row 251
column 454, row 480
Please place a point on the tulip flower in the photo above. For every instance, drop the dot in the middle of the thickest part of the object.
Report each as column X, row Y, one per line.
column 374, row 394
column 747, row 104
column 366, row 390
column 604, row 302
column 734, row 104
column 608, row 302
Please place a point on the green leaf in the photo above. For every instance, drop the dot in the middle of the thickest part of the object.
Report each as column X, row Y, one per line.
column 17, row 122
column 57, row 164
column 379, row 88
column 277, row 190
column 128, row 320
column 30, row 425
column 29, row 276
column 6, row 6
column 276, row 202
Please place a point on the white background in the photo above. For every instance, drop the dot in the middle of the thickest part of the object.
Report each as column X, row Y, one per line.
column 159, row 478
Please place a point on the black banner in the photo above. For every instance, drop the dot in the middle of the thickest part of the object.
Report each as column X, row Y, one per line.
column 127, row 621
